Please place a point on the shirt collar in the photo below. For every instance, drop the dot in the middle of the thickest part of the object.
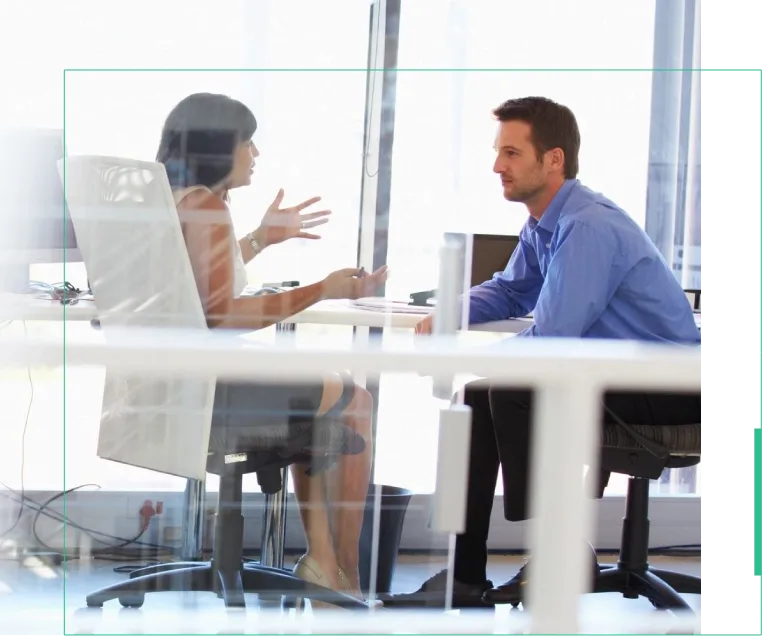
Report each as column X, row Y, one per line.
column 549, row 219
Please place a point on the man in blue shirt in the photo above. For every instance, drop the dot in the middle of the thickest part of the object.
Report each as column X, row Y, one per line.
column 584, row 269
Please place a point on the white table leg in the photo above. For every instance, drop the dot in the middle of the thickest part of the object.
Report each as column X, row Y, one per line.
column 565, row 438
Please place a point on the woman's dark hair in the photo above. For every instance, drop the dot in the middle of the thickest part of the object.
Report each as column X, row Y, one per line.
column 200, row 138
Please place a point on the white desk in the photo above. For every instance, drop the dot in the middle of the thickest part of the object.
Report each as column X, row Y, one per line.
column 342, row 312
column 327, row 312
column 27, row 307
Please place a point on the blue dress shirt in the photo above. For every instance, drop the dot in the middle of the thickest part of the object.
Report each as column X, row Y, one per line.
column 587, row 270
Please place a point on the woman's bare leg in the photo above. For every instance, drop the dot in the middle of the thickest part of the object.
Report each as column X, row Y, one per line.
column 348, row 488
column 311, row 491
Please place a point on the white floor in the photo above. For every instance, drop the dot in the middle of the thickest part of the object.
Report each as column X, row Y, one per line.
column 36, row 600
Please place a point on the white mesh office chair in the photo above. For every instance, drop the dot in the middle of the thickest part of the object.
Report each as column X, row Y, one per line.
column 129, row 234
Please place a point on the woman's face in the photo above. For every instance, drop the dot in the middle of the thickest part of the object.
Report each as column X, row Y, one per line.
column 243, row 164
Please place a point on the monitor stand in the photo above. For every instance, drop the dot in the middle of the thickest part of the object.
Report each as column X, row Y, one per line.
column 421, row 298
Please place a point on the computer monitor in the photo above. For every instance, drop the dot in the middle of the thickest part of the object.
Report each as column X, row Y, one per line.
column 35, row 226
column 487, row 254
column 490, row 253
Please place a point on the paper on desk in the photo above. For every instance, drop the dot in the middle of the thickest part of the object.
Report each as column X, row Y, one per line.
column 386, row 305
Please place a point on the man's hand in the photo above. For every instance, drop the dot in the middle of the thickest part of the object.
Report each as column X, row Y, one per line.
column 281, row 224
column 424, row 327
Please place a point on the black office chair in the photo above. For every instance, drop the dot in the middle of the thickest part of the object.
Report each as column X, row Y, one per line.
column 643, row 452
column 226, row 574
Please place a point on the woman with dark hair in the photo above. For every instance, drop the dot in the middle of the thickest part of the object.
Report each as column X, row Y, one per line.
column 207, row 149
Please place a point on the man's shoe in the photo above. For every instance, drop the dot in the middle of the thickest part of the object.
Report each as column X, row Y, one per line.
column 433, row 593
column 513, row 591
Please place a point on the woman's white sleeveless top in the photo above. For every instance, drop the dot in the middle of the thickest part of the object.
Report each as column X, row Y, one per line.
column 240, row 280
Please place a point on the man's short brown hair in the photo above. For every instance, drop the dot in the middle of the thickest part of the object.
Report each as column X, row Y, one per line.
column 553, row 126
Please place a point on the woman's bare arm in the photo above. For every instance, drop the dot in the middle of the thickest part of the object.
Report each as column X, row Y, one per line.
column 209, row 240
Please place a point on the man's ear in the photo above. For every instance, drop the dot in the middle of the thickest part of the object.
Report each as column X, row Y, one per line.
column 555, row 159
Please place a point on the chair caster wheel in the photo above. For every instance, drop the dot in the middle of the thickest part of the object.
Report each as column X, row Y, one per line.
column 133, row 600
column 95, row 604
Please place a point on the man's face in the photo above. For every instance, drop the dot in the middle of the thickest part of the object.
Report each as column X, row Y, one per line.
column 522, row 174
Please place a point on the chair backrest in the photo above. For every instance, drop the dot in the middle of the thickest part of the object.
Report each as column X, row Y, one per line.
column 129, row 234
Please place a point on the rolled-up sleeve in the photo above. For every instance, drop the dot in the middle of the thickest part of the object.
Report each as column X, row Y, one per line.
column 511, row 294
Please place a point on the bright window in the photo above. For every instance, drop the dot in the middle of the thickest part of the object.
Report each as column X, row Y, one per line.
column 310, row 137
column 442, row 177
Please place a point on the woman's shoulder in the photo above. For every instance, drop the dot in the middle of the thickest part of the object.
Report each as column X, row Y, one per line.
column 198, row 198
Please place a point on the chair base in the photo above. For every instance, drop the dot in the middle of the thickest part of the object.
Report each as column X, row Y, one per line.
column 661, row 587
column 230, row 585
column 632, row 577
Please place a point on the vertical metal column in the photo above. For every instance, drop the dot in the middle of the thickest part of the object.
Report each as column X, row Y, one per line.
column 193, row 521
column 274, row 526
column 378, row 140
column 670, row 155
column 273, row 543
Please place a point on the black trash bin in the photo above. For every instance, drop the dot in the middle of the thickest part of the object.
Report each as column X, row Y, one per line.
column 394, row 503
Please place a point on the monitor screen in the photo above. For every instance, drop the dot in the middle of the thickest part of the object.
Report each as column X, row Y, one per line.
column 490, row 254
column 37, row 222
